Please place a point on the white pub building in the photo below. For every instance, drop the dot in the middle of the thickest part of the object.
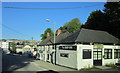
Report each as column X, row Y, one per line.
column 87, row 48
column 83, row 49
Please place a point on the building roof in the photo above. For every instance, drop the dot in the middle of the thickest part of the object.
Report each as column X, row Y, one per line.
column 46, row 41
column 91, row 36
column 50, row 40
column 60, row 37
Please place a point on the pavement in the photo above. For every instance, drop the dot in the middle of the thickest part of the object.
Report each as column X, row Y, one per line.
column 50, row 66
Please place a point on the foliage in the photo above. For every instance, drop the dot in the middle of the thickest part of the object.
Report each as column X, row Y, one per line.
column 13, row 47
column 97, row 21
column 44, row 35
column 71, row 26
column 109, row 20
column 89, row 68
column 4, row 40
column 112, row 11
column 111, row 65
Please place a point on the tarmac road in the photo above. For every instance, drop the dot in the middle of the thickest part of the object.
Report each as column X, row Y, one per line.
column 20, row 64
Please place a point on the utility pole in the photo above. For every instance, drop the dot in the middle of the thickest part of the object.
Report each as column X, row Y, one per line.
column 32, row 38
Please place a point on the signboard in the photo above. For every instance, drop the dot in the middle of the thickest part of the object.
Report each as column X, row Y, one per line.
column 68, row 47
column 98, row 46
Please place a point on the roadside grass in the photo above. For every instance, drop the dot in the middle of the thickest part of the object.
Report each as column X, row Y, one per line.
column 111, row 65
column 91, row 68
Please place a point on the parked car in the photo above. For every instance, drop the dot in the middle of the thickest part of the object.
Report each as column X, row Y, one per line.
column 13, row 54
column 6, row 52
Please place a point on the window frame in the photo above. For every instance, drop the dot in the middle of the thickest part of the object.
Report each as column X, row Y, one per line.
column 66, row 55
column 117, row 52
column 87, row 57
column 106, row 54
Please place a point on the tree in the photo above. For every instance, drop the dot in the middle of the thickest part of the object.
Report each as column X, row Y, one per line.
column 44, row 35
column 71, row 26
column 112, row 11
column 97, row 21
column 13, row 47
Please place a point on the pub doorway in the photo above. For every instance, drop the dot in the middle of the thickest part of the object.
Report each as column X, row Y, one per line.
column 97, row 56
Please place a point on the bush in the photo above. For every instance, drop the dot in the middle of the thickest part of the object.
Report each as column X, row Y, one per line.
column 90, row 68
column 111, row 65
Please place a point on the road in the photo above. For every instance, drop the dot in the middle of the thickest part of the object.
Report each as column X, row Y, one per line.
column 16, row 64
column 19, row 63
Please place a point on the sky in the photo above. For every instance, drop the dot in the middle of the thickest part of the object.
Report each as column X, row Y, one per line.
column 25, row 23
column 56, row 0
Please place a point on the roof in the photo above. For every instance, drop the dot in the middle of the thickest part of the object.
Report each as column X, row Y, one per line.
column 46, row 41
column 90, row 36
column 60, row 37
column 50, row 40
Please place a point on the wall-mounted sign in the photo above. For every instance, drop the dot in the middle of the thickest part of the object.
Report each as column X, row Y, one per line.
column 68, row 47
column 98, row 46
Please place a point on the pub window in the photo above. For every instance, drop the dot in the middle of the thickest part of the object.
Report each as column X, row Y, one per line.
column 117, row 53
column 64, row 55
column 87, row 54
column 108, row 53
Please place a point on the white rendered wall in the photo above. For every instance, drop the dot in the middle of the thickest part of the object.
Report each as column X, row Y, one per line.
column 41, row 53
column 84, row 63
column 108, row 61
column 49, row 52
column 42, row 56
column 5, row 45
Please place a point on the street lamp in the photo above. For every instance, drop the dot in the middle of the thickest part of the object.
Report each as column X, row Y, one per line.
column 54, row 36
column 54, row 28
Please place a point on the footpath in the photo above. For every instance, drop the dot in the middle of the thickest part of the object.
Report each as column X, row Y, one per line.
column 58, row 68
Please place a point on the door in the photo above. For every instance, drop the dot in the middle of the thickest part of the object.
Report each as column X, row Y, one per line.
column 97, row 56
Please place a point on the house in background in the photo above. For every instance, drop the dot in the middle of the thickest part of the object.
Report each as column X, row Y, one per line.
column 19, row 49
column 5, row 46
column 27, row 50
column 87, row 48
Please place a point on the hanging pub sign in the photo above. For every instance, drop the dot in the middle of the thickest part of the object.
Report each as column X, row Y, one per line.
column 68, row 47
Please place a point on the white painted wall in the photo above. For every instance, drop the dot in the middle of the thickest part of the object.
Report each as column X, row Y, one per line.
column 83, row 63
column 108, row 61
column 75, row 59
column 4, row 45
column 49, row 51
column 44, row 54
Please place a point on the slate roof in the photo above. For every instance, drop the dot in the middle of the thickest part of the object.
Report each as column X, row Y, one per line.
column 90, row 36
column 50, row 40
column 60, row 37
column 46, row 41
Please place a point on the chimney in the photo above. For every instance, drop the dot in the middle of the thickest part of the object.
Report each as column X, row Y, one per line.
column 58, row 32
column 48, row 34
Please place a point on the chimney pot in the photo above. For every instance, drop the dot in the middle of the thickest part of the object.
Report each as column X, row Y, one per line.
column 58, row 32
column 48, row 34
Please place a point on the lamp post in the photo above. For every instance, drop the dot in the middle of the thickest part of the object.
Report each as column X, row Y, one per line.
column 54, row 36
column 54, row 27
